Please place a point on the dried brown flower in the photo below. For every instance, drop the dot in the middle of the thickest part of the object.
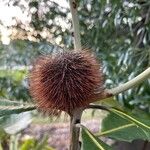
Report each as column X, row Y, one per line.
column 65, row 81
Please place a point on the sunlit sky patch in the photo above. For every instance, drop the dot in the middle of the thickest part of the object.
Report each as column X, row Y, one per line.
column 7, row 13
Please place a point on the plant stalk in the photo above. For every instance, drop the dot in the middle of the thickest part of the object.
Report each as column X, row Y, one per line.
column 76, row 115
column 74, row 130
column 135, row 81
column 75, row 22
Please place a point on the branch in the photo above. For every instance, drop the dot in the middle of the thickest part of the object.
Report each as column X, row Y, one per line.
column 74, row 130
column 135, row 81
column 76, row 115
column 93, row 106
column 75, row 21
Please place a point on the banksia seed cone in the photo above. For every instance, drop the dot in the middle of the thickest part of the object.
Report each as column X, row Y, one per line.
column 65, row 81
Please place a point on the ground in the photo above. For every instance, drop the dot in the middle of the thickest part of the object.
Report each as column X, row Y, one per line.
column 58, row 133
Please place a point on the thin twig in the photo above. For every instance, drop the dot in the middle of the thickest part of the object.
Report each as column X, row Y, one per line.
column 92, row 106
column 135, row 81
column 75, row 21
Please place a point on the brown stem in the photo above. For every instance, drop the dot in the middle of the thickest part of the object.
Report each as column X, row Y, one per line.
column 74, row 130
column 145, row 145
column 93, row 106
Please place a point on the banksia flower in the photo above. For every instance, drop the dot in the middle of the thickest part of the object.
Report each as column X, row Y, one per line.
column 65, row 81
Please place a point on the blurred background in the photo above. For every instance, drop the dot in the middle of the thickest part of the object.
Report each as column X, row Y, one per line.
column 117, row 31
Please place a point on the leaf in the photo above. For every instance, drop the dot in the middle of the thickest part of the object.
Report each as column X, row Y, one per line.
column 8, row 107
column 14, row 123
column 5, row 102
column 7, row 110
column 33, row 144
column 118, row 128
column 13, row 115
column 137, row 120
column 109, row 102
column 43, row 145
column 126, row 126
column 28, row 144
column 2, row 134
column 91, row 142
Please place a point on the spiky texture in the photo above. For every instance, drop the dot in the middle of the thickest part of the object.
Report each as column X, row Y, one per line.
column 65, row 81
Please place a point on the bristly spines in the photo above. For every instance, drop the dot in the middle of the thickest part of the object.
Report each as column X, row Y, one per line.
column 65, row 81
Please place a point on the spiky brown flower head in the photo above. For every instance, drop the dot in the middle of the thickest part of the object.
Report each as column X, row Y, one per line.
column 65, row 81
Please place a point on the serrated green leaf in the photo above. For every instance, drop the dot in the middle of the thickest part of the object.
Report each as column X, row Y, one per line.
column 126, row 126
column 8, row 107
column 14, row 116
column 91, row 142
column 139, row 121
column 5, row 102
column 122, row 129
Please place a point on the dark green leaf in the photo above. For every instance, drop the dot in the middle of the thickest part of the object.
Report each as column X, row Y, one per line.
column 90, row 142
column 8, row 110
column 117, row 127
column 143, row 123
column 8, row 107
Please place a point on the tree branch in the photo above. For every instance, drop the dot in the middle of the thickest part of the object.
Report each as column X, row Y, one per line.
column 75, row 21
column 76, row 114
column 74, row 130
column 93, row 106
column 135, row 81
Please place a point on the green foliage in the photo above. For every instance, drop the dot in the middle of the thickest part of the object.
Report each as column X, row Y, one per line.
column 32, row 144
column 14, row 123
column 15, row 63
column 14, row 143
column 124, row 124
column 110, row 102
column 119, row 128
column 15, row 86
column 119, row 125
column 142, row 121
column 13, row 115
column 89, row 141
column 121, row 120
column 3, row 134
column 28, row 144
column 121, row 40
column 14, row 108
